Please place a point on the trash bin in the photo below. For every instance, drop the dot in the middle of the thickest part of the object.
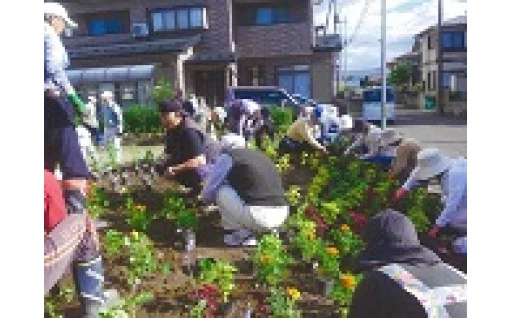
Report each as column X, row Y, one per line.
column 430, row 103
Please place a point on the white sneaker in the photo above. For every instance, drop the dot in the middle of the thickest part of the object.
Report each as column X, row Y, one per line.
column 237, row 238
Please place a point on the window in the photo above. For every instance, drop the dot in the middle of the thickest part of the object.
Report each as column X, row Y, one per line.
column 429, row 81
column 429, row 42
column 454, row 40
column 158, row 21
column 128, row 92
column 267, row 16
column 183, row 19
column 179, row 19
column 97, row 27
column 196, row 17
column 295, row 80
column 434, row 80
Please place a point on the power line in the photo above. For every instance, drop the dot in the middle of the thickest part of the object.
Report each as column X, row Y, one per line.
column 364, row 12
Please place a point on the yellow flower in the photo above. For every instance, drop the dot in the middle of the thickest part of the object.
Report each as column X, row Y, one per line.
column 344, row 228
column 265, row 259
column 348, row 281
column 135, row 235
column 332, row 251
column 312, row 235
column 293, row 293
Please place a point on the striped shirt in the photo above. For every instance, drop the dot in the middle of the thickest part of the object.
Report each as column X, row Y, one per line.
column 55, row 62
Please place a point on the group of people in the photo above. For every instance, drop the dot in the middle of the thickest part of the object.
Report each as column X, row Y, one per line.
column 109, row 125
column 248, row 190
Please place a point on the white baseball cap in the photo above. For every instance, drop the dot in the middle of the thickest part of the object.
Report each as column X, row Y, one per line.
column 58, row 10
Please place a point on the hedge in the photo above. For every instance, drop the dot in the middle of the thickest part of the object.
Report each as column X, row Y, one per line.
column 142, row 119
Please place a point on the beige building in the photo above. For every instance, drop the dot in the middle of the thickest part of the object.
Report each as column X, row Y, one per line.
column 454, row 45
column 200, row 46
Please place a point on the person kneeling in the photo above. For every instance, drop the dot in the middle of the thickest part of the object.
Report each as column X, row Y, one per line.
column 249, row 193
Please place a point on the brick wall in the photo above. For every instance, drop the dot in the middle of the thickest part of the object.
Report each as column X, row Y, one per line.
column 216, row 38
column 273, row 40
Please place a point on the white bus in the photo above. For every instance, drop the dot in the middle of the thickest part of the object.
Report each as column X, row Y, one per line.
column 372, row 108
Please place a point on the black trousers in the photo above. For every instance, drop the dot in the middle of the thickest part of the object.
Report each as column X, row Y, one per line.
column 61, row 140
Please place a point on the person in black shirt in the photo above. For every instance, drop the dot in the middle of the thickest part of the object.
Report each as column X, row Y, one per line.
column 190, row 151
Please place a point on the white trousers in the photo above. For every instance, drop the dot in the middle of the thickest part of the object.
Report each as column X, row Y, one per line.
column 236, row 214
column 117, row 147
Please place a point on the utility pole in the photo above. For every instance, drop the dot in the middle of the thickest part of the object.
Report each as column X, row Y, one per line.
column 345, row 52
column 383, row 63
column 440, row 106
column 338, row 59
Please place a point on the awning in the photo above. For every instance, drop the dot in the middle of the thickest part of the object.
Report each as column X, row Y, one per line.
column 129, row 73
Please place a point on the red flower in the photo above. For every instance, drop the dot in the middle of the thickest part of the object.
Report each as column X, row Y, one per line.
column 359, row 222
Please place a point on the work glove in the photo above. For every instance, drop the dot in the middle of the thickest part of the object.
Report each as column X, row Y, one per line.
column 79, row 106
column 399, row 194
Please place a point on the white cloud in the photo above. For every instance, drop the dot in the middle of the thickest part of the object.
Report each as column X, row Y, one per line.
column 404, row 19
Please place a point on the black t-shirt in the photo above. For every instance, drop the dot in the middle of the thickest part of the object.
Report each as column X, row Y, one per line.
column 183, row 144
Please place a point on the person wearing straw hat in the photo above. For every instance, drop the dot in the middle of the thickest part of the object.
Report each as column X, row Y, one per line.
column 452, row 174
column 405, row 161
column 113, row 120
column 401, row 277
column 62, row 107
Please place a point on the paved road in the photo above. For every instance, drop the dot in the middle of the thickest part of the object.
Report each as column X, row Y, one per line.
column 448, row 135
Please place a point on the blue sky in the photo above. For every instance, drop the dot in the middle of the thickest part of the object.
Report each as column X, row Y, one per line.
column 404, row 19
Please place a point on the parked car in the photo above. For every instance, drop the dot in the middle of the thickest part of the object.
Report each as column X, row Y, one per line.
column 372, row 108
column 270, row 96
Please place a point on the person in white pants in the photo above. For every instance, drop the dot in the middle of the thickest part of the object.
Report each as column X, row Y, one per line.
column 86, row 145
column 248, row 190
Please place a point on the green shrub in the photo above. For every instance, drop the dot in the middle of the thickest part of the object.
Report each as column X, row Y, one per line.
column 142, row 119
column 282, row 117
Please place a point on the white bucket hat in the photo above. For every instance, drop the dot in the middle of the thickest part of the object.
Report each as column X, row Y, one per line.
column 430, row 163
column 56, row 9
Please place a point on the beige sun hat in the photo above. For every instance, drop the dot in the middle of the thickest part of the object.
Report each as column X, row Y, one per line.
column 389, row 136
column 430, row 163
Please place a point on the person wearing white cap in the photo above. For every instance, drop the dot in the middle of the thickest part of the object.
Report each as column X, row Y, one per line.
column 247, row 188
column 113, row 122
column 452, row 174
column 61, row 103
column 91, row 119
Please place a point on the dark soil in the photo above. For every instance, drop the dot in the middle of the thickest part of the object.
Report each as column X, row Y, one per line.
column 171, row 290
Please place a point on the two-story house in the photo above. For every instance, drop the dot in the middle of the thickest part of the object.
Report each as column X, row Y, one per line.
column 454, row 46
column 200, row 46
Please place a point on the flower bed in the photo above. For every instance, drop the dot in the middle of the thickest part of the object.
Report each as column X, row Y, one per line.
column 308, row 270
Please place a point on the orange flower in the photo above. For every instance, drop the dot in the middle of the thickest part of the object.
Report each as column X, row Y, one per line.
column 344, row 228
column 332, row 251
column 348, row 281
column 265, row 259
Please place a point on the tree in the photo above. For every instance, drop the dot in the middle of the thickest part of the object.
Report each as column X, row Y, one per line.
column 400, row 75
column 162, row 91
